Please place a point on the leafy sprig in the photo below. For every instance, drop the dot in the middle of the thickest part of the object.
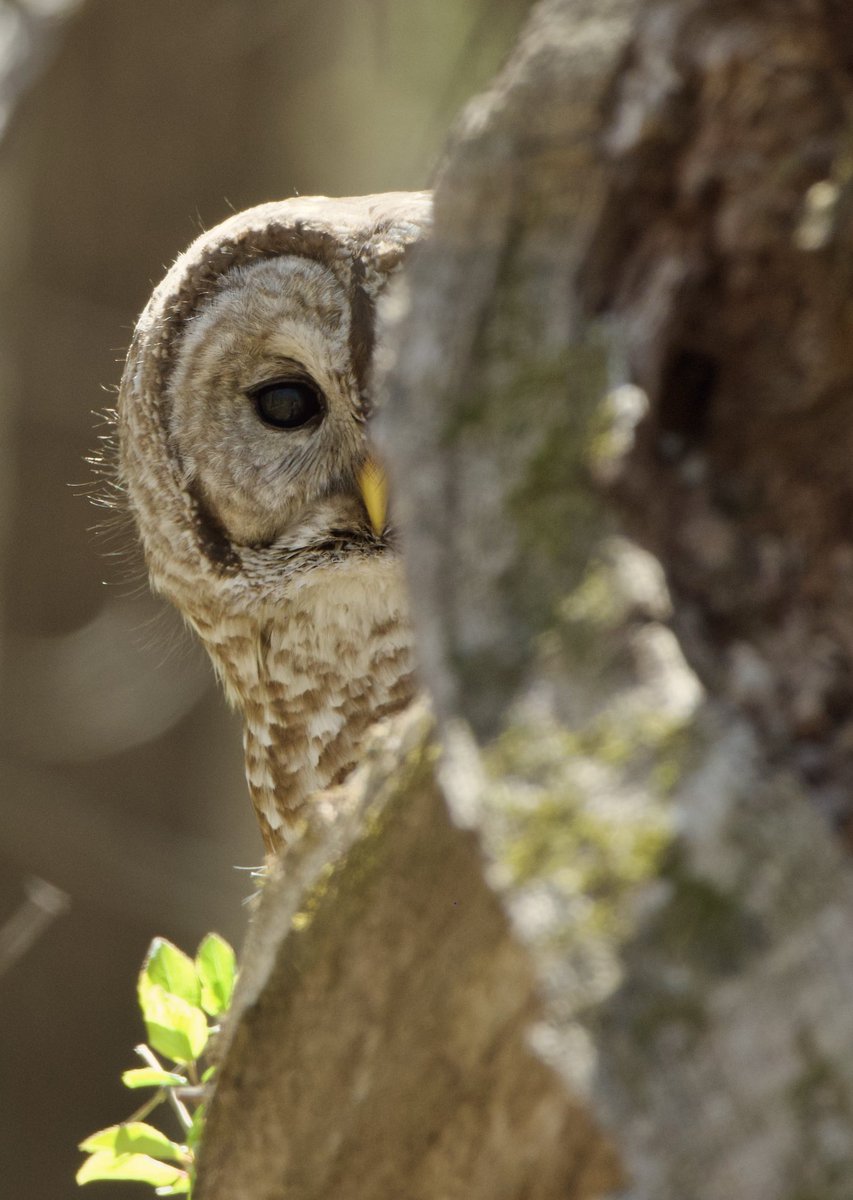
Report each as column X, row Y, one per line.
column 182, row 1001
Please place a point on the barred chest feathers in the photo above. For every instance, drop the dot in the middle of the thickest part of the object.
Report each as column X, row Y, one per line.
column 310, row 676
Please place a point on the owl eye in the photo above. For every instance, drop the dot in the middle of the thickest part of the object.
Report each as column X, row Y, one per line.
column 288, row 404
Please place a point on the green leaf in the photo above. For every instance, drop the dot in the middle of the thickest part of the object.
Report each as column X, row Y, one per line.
column 134, row 1137
column 173, row 970
column 139, row 1077
column 175, row 1028
column 209, row 1073
column 217, row 969
column 103, row 1164
column 196, row 1129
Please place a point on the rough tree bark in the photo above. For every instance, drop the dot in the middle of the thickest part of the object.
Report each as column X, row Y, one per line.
column 618, row 899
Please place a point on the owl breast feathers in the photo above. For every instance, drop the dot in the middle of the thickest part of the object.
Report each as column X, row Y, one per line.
column 242, row 440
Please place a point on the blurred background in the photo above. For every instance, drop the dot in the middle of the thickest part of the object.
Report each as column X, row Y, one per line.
column 127, row 126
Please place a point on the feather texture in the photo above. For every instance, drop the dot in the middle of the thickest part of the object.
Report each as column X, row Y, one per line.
column 257, row 532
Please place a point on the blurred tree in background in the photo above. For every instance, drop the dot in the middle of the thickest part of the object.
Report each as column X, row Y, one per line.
column 130, row 125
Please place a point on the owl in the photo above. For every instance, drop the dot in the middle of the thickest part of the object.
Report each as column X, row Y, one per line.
column 245, row 459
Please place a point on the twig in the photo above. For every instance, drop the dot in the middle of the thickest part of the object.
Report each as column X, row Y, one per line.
column 43, row 904
column 181, row 1111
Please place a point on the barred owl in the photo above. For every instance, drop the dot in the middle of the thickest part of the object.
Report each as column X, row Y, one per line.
column 243, row 438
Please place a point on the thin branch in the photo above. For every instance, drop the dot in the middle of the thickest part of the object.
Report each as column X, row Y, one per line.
column 43, row 904
column 180, row 1110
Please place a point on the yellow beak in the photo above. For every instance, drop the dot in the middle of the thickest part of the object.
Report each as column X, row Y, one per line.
column 373, row 486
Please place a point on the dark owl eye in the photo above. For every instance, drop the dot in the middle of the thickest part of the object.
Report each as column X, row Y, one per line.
column 288, row 404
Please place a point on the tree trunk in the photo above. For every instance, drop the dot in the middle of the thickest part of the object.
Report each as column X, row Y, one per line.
column 620, row 899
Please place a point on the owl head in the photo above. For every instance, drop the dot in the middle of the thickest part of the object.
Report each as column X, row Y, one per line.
column 243, row 406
